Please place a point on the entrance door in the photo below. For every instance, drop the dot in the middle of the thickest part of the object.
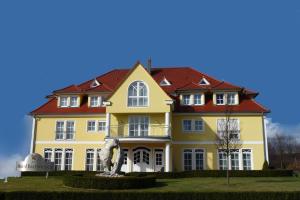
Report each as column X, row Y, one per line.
column 142, row 160
column 159, row 160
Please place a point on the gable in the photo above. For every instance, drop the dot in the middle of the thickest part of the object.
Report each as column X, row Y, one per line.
column 156, row 96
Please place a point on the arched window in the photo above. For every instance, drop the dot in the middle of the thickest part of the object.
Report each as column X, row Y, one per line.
column 137, row 94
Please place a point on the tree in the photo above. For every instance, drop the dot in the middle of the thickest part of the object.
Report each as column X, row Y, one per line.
column 227, row 137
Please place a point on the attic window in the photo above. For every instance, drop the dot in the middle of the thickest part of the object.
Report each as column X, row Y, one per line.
column 164, row 82
column 203, row 81
column 95, row 83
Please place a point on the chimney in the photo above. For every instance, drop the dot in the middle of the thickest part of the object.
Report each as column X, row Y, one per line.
column 149, row 65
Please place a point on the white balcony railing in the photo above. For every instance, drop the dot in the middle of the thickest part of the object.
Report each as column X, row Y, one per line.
column 140, row 130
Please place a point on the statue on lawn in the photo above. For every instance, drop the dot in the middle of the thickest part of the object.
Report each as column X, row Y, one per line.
column 106, row 154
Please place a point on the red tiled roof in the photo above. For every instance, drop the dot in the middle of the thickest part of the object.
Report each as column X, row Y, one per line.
column 51, row 108
column 181, row 78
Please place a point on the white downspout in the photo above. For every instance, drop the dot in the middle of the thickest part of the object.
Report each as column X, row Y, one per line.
column 32, row 134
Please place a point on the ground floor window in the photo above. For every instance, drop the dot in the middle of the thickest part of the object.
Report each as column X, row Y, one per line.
column 247, row 159
column 47, row 155
column 68, row 159
column 235, row 162
column 193, row 159
column 89, row 160
column 58, row 159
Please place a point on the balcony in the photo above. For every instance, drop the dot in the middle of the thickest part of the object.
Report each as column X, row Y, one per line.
column 139, row 131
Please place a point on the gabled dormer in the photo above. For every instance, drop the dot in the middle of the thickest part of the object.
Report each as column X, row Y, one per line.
column 164, row 82
column 65, row 101
column 204, row 81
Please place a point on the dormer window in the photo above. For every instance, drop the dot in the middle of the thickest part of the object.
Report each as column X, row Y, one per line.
column 203, row 81
column 95, row 101
column 68, row 101
column 63, row 102
column 164, row 82
column 95, row 83
column 220, row 99
column 230, row 98
column 137, row 94
column 186, row 99
column 73, row 101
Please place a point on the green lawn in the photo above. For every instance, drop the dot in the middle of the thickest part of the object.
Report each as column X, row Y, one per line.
column 185, row 184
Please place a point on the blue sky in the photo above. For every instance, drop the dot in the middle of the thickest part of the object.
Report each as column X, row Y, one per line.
column 47, row 45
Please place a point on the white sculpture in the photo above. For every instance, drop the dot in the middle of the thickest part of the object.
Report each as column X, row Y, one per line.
column 106, row 154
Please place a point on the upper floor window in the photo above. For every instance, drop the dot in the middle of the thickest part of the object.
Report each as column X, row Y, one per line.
column 73, row 101
column 68, row 101
column 227, row 98
column 93, row 126
column 186, row 99
column 138, row 126
column 220, row 99
column 198, row 99
column 137, row 94
column 193, row 125
column 230, row 127
column 231, row 99
column 65, row 130
column 95, row 101
column 63, row 102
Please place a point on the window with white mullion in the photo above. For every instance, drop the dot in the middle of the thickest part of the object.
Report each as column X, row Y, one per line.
column 48, row 155
column 222, row 160
column 137, row 94
column 101, row 125
column 59, row 132
column 63, row 101
column 68, row 159
column 58, row 159
column 138, row 126
column 247, row 160
column 199, row 159
column 73, row 101
column 186, row 99
column 91, row 126
column 70, row 130
column 234, row 160
column 198, row 99
column 187, row 160
column 89, row 160
column 231, row 98
column 99, row 166
column 193, row 125
column 95, row 101
column 220, row 99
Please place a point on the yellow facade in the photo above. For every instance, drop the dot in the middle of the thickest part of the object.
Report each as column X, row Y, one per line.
column 165, row 138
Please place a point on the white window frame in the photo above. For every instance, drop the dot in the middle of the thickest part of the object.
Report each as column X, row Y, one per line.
column 71, row 102
column 64, row 132
column 95, row 126
column 224, row 98
column 89, row 150
column 193, row 151
column 240, row 156
column 61, row 151
column 67, row 101
column 201, row 99
column 139, row 124
column 138, row 96
column 98, row 126
column 99, row 166
column 189, row 99
column 48, row 151
column 193, row 126
column 251, row 158
column 98, row 101
column 68, row 150
column 238, row 124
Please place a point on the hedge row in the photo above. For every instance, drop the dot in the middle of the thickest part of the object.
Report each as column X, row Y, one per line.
column 183, row 174
column 99, row 182
column 216, row 173
column 94, row 195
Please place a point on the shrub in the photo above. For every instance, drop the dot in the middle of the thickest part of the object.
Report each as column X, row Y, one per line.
column 266, row 165
column 99, row 182
column 146, row 195
column 216, row 173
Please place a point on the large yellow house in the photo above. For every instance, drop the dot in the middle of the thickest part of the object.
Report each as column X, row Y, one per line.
column 166, row 119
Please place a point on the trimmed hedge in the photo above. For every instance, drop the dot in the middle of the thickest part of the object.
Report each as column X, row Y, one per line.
column 99, row 182
column 216, row 173
column 183, row 174
column 96, row 195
